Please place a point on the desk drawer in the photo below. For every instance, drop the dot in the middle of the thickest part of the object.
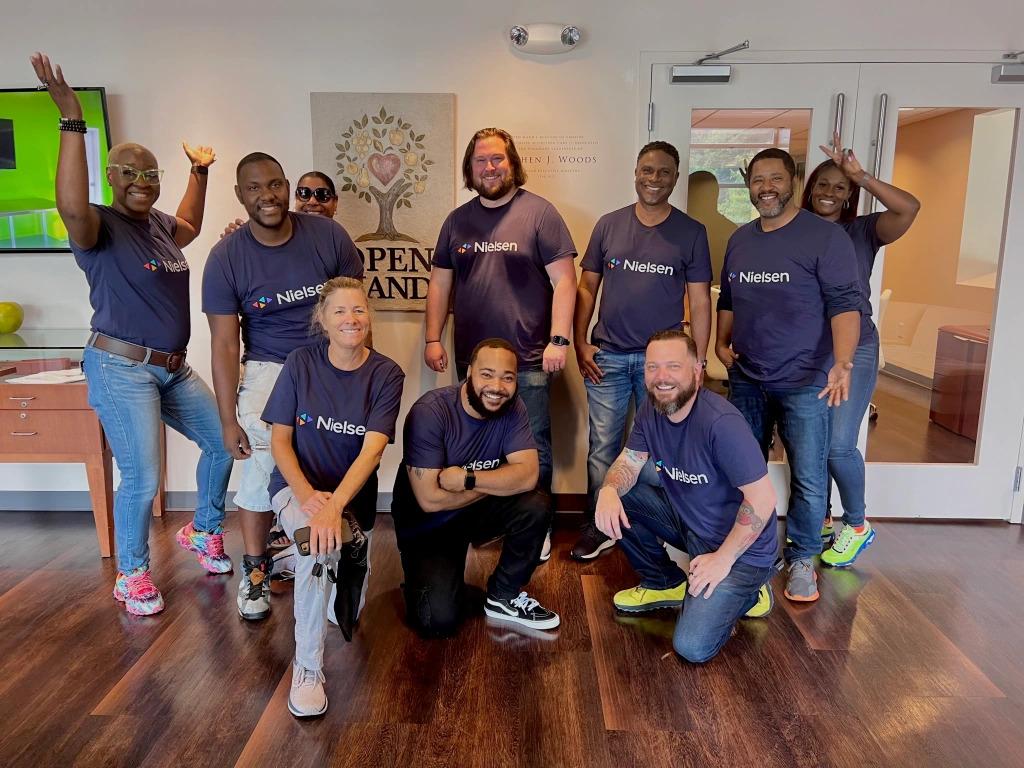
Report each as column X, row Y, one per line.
column 44, row 397
column 50, row 432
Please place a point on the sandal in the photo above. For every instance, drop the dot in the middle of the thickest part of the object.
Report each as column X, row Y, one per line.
column 277, row 539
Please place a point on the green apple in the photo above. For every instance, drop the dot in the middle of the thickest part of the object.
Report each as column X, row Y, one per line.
column 11, row 316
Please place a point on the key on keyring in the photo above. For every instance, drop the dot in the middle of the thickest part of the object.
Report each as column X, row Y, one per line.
column 331, row 576
column 318, row 568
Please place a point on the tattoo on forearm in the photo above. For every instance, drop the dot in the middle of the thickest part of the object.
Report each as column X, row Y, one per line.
column 622, row 475
column 418, row 471
column 747, row 517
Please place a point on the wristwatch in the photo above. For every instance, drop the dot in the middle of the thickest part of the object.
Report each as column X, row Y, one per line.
column 560, row 341
column 470, row 482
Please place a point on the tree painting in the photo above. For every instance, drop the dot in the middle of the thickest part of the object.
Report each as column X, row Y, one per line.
column 381, row 159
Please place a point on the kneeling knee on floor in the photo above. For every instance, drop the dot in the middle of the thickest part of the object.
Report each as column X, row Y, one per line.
column 693, row 652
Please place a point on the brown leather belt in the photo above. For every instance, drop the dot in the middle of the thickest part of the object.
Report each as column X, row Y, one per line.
column 172, row 361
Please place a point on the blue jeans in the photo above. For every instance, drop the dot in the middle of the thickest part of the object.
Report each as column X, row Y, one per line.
column 845, row 462
column 131, row 399
column 805, row 426
column 534, row 387
column 705, row 623
column 608, row 404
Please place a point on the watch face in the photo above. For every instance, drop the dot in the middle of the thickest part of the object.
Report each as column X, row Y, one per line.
column 560, row 341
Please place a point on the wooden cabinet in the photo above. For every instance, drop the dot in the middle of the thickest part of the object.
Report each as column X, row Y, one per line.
column 958, row 384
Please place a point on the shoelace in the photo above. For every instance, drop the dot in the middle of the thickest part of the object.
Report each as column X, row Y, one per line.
column 308, row 678
column 140, row 586
column 525, row 602
column 845, row 539
column 215, row 544
column 256, row 586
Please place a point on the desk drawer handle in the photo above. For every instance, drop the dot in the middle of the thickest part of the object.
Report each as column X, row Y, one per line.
column 27, row 397
column 24, row 434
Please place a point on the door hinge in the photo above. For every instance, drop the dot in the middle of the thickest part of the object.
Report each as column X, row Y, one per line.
column 1016, row 480
column 650, row 116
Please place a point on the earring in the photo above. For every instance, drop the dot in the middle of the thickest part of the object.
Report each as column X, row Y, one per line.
column 846, row 204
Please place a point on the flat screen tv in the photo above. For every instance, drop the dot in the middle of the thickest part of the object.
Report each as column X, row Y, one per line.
column 29, row 140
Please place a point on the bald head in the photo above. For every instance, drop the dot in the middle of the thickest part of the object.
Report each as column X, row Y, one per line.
column 132, row 154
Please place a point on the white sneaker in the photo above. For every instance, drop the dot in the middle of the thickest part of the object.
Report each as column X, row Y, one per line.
column 545, row 552
column 254, row 593
column 307, row 697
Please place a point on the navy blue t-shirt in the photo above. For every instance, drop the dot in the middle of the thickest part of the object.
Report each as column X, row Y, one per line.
column 331, row 410
column 645, row 271
column 863, row 232
column 138, row 280
column 701, row 463
column 501, row 286
column 783, row 287
column 274, row 288
column 439, row 434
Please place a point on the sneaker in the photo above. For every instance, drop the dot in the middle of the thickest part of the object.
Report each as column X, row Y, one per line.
column 764, row 605
column 545, row 551
column 640, row 598
column 590, row 544
column 254, row 588
column 307, row 697
column 208, row 546
column 522, row 610
column 848, row 546
column 802, row 584
column 828, row 533
column 135, row 589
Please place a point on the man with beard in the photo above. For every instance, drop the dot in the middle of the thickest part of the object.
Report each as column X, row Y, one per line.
column 648, row 256
column 262, row 281
column 715, row 502
column 470, row 472
column 788, row 326
column 509, row 258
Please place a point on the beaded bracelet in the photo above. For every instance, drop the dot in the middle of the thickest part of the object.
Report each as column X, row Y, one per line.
column 72, row 125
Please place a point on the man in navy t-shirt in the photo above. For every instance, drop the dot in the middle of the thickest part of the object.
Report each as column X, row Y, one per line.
column 262, row 282
column 715, row 502
column 788, row 325
column 470, row 472
column 508, row 257
column 647, row 256
column 134, row 362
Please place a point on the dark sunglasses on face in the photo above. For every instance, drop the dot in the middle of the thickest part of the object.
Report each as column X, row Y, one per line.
column 322, row 194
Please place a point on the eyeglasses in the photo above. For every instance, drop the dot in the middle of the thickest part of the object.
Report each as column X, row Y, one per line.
column 322, row 194
column 132, row 175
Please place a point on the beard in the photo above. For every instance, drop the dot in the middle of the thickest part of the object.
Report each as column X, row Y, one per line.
column 777, row 209
column 476, row 402
column 497, row 193
column 677, row 402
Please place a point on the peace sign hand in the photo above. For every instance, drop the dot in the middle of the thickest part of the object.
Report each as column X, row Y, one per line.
column 53, row 79
column 845, row 159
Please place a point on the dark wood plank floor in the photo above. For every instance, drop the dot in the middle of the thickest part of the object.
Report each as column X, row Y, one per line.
column 912, row 659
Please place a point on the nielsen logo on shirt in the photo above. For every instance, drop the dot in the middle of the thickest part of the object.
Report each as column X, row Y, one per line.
column 480, row 464
column 169, row 266
column 482, row 246
column 760, row 277
column 297, row 294
column 648, row 266
column 681, row 476
column 339, row 427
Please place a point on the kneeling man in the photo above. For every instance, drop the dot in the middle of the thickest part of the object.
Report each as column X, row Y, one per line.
column 470, row 473
column 715, row 502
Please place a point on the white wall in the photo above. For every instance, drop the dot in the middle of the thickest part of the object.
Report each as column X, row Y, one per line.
column 237, row 75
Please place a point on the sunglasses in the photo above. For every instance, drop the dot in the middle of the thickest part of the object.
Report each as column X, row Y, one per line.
column 134, row 175
column 322, row 194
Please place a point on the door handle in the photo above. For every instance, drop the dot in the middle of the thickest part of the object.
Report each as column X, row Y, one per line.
column 883, row 102
column 24, row 434
column 837, row 127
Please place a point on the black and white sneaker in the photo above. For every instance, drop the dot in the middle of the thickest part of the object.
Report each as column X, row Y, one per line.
column 590, row 544
column 522, row 610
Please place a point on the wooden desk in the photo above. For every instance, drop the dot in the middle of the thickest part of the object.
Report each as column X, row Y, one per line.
column 959, row 379
column 53, row 423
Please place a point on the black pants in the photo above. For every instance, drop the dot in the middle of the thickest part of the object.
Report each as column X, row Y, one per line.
column 434, row 558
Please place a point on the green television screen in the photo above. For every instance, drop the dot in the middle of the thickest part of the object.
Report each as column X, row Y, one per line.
column 29, row 140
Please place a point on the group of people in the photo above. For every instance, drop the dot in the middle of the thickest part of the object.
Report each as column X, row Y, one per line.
column 314, row 406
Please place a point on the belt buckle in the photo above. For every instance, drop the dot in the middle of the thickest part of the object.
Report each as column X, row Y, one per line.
column 174, row 361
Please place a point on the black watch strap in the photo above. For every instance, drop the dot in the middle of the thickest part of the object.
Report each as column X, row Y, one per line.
column 470, row 482
column 560, row 341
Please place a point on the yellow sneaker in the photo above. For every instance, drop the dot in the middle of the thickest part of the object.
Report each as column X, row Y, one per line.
column 640, row 599
column 764, row 605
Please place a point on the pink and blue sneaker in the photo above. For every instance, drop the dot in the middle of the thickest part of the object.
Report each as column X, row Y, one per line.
column 135, row 589
column 208, row 546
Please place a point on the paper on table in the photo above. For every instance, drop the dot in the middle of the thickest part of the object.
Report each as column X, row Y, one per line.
column 50, row 377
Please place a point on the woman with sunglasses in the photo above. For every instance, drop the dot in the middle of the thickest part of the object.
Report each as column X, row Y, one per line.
column 333, row 411
column 833, row 193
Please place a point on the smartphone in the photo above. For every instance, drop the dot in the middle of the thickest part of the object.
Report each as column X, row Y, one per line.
column 301, row 539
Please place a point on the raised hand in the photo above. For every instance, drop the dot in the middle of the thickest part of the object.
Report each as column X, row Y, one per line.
column 53, row 79
column 200, row 155
column 845, row 159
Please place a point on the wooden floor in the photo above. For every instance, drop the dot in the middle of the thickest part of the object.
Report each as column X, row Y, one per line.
column 912, row 659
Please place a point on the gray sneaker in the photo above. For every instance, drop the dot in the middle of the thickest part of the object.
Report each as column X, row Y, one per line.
column 254, row 590
column 802, row 584
column 307, row 697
